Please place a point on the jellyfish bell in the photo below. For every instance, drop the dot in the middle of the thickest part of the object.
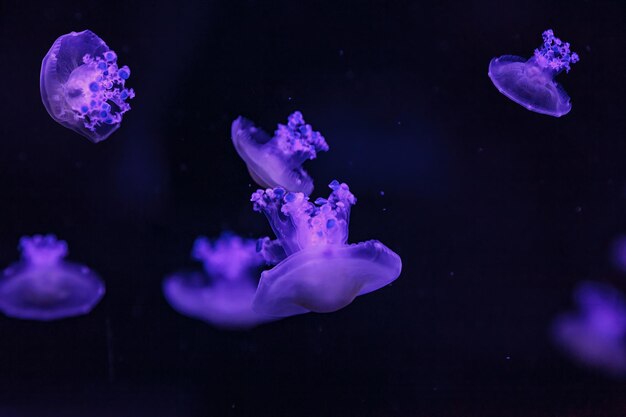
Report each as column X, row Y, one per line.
column 83, row 87
column 530, row 82
column 277, row 161
column 42, row 286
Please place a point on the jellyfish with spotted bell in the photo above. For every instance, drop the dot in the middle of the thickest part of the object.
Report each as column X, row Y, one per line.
column 83, row 86
column 316, row 269
column 277, row 161
column 530, row 82
column 221, row 294
column 43, row 286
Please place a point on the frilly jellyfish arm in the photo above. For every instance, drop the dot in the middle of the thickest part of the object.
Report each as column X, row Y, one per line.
column 277, row 161
column 83, row 86
column 531, row 82
column 228, row 257
column 271, row 250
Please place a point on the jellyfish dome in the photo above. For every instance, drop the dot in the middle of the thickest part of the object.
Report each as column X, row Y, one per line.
column 531, row 82
column 42, row 286
column 277, row 161
column 83, row 86
column 595, row 335
column 316, row 269
column 221, row 294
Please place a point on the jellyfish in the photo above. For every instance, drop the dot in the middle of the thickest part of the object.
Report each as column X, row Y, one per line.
column 531, row 82
column 277, row 162
column 316, row 269
column 42, row 286
column 596, row 334
column 83, row 86
column 221, row 294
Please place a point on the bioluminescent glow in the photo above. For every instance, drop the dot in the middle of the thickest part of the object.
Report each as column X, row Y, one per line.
column 42, row 286
column 317, row 270
column 277, row 161
column 531, row 82
column 82, row 86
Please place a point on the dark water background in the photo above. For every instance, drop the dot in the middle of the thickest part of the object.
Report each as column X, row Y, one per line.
column 497, row 212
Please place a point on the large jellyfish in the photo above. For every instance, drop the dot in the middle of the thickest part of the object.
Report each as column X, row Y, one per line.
column 42, row 286
column 221, row 294
column 317, row 270
column 531, row 82
column 596, row 334
column 277, row 161
column 82, row 86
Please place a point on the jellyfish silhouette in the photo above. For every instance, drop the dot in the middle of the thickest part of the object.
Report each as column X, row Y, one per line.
column 317, row 270
column 531, row 82
column 277, row 161
column 221, row 294
column 42, row 286
column 82, row 86
column 596, row 334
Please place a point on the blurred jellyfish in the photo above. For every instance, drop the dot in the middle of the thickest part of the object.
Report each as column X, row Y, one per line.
column 277, row 161
column 596, row 334
column 317, row 270
column 531, row 82
column 222, row 294
column 42, row 286
column 82, row 86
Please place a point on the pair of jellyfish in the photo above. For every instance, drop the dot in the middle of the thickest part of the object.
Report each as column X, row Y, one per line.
column 530, row 82
column 43, row 286
column 83, row 87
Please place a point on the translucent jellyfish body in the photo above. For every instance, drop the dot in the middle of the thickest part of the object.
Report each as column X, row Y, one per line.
column 83, row 87
column 531, row 82
column 42, row 286
column 221, row 294
column 317, row 270
column 595, row 335
column 277, row 161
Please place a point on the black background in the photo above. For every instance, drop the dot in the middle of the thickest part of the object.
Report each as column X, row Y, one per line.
column 497, row 212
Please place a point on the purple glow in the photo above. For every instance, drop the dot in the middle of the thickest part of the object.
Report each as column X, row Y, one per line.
column 317, row 269
column 82, row 86
column 277, row 161
column 42, row 286
column 531, row 82
column 618, row 253
column 596, row 334
column 222, row 294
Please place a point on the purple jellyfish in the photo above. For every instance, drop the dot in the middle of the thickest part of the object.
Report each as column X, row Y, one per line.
column 222, row 294
column 317, row 270
column 596, row 334
column 277, row 161
column 531, row 82
column 82, row 86
column 42, row 286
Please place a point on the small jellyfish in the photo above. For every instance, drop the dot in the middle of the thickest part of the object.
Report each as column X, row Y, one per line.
column 277, row 161
column 595, row 335
column 83, row 87
column 317, row 270
column 531, row 82
column 42, row 286
column 221, row 294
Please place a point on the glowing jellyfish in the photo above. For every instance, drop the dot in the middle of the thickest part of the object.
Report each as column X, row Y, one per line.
column 222, row 294
column 596, row 334
column 317, row 270
column 277, row 161
column 531, row 82
column 42, row 286
column 82, row 86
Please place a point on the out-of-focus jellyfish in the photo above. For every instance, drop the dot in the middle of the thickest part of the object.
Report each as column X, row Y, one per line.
column 531, row 82
column 42, row 286
column 317, row 270
column 83, row 87
column 221, row 294
column 595, row 335
column 277, row 161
